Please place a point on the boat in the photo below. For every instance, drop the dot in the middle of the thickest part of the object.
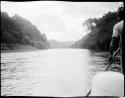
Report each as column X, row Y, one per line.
column 109, row 82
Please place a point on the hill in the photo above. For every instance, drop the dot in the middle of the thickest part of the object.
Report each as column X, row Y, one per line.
column 17, row 31
column 60, row 44
column 100, row 34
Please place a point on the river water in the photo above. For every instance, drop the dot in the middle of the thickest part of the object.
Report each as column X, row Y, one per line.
column 51, row 72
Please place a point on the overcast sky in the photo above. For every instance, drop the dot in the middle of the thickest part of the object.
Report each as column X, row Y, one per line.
column 59, row 20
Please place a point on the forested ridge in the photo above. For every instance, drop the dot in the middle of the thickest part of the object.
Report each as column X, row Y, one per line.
column 101, row 30
column 60, row 44
column 18, row 31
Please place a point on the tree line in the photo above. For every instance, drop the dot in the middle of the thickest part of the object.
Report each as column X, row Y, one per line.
column 100, row 34
column 17, row 30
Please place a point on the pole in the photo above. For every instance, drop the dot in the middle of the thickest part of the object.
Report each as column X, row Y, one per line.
column 112, row 60
column 107, row 67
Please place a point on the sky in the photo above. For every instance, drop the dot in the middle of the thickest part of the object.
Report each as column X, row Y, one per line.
column 59, row 20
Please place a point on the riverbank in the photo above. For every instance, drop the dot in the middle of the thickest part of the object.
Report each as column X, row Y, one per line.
column 18, row 48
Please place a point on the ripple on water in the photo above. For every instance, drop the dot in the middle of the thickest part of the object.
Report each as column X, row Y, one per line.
column 51, row 72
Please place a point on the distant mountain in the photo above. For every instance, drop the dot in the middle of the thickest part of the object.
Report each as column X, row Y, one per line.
column 19, row 31
column 60, row 44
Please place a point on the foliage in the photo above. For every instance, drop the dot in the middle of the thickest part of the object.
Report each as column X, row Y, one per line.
column 101, row 30
column 17, row 30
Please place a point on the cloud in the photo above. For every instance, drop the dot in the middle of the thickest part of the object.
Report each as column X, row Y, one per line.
column 30, row 9
column 55, row 35
column 58, row 19
column 55, row 23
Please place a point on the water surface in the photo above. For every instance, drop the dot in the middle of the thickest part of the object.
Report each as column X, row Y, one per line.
column 52, row 72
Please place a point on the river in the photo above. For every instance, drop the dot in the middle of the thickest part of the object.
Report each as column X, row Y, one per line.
column 51, row 72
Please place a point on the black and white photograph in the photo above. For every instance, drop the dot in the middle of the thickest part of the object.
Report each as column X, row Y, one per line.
column 62, row 49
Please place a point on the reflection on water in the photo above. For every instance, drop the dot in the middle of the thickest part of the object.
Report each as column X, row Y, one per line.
column 52, row 72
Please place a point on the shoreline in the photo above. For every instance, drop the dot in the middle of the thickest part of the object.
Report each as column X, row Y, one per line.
column 18, row 50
